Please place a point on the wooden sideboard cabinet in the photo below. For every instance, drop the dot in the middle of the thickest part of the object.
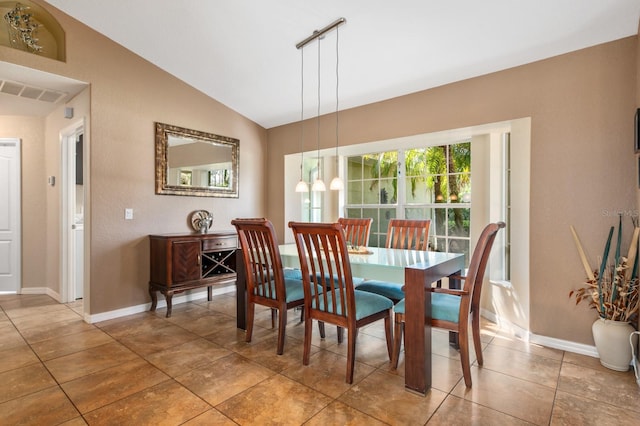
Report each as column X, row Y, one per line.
column 182, row 262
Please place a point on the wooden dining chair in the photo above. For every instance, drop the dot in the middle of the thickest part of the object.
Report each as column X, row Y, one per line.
column 410, row 234
column 329, row 294
column 451, row 308
column 267, row 284
column 356, row 230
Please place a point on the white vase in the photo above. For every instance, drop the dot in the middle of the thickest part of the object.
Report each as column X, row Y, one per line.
column 612, row 342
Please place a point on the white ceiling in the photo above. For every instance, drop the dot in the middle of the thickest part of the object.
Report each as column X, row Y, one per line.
column 243, row 53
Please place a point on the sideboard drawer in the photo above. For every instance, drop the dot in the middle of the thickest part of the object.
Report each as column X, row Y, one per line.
column 219, row 243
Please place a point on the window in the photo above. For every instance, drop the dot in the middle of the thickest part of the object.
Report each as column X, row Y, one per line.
column 436, row 185
column 372, row 191
column 312, row 202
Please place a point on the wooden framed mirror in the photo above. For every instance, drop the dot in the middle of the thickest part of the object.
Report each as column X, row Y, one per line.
column 195, row 163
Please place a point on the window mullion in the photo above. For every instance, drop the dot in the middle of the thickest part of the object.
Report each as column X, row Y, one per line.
column 401, row 183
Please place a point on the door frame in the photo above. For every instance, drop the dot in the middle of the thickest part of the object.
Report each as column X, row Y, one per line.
column 68, row 256
column 17, row 213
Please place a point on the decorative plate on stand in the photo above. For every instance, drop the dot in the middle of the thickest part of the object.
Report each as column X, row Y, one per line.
column 201, row 221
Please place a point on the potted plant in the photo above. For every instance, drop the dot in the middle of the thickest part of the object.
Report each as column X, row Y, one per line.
column 612, row 290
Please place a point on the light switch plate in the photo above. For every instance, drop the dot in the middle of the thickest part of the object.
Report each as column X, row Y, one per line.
column 128, row 214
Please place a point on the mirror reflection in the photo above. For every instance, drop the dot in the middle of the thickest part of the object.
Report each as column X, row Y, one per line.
column 190, row 162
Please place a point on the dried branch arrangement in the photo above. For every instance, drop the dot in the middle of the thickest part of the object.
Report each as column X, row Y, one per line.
column 612, row 290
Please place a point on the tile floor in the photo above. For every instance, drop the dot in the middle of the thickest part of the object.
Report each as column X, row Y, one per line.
column 196, row 369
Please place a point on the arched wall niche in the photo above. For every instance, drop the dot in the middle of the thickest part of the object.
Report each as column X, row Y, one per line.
column 26, row 26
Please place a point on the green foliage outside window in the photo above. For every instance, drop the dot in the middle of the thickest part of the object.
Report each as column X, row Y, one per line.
column 432, row 175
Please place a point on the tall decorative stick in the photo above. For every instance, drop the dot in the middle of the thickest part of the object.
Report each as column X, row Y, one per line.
column 583, row 257
column 633, row 252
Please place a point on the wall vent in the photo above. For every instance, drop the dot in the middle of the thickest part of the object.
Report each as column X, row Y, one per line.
column 30, row 92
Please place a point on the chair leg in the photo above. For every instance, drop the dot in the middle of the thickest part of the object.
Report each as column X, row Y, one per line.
column 301, row 313
column 477, row 343
column 463, row 338
column 398, row 333
column 351, row 353
column 321, row 329
column 251, row 310
column 308, row 328
column 282, row 325
column 388, row 332
column 274, row 316
column 340, row 332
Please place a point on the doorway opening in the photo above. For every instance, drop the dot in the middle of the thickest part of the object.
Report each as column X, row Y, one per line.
column 73, row 203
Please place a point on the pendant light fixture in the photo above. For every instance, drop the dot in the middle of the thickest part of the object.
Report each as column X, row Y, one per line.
column 336, row 183
column 318, row 184
column 302, row 184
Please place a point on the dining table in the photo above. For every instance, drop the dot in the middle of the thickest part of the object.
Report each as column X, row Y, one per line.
column 415, row 269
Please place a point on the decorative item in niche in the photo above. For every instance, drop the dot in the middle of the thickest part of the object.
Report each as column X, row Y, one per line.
column 31, row 28
column 23, row 29
column 201, row 221
column 191, row 162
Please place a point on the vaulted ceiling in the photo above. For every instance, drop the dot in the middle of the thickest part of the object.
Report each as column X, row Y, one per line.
column 243, row 53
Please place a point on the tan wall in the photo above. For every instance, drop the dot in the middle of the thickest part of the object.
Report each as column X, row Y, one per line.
column 128, row 95
column 34, row 196
column 582, row 165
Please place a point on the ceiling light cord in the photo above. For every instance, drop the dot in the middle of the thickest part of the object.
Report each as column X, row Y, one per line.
column 336, row 183
column 302, row 186
column 318, row 184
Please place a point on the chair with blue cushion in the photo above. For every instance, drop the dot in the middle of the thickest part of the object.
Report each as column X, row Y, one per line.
column 450, row 308
column 329, row 294
column 356, row 230
column 267, row 283
column 409, row 234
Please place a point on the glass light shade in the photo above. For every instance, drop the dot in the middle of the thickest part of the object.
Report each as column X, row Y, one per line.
column 318, row 185
column 336, row 184
column 302, row 186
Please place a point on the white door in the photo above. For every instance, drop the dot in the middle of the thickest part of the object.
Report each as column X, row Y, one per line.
column 10, row 215
column 72, row 213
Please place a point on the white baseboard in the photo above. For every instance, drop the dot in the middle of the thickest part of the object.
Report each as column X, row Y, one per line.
column 41, row 290
column 565, row 345
column 183, row 298
column 549, row 342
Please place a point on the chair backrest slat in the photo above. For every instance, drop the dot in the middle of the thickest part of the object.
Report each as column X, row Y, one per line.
column 410, row 234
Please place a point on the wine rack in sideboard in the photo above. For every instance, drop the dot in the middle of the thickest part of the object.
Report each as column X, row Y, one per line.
column 181, row 262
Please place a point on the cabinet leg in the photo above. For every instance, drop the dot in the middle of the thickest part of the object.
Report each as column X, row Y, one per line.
column 168, row 297
column 453, row 340
column 154, row 299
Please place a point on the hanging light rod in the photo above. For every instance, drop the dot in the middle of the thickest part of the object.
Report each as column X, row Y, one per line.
column 319, row 33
